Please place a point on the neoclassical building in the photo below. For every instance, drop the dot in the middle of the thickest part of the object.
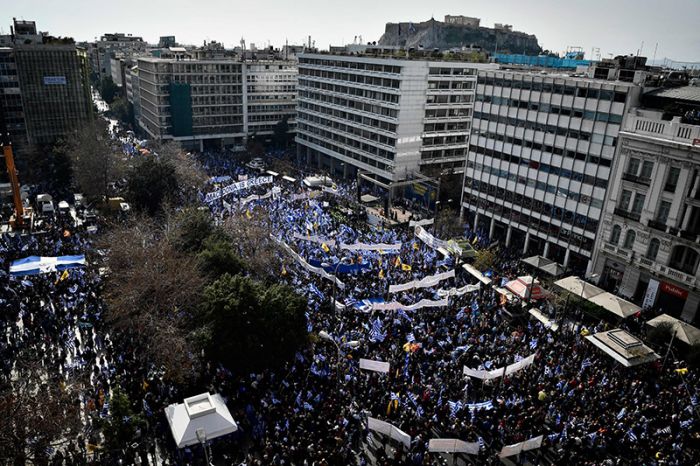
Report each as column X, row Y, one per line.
column 648, row 246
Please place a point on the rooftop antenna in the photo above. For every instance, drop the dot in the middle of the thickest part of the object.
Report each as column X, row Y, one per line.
column 653, row 60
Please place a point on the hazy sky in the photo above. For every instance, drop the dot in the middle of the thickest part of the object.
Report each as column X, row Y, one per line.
column 614, row 26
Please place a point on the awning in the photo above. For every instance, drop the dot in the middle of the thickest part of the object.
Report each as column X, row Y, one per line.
column 546, row 265
column 480, row 276
column 270, row 172
column 684, row 331
column 616, row 305
column 289, row 178
column 623, row 347
column 509, row 296
column 205, row 413
column 368, row 198
column 526, row 288
column 579, row 287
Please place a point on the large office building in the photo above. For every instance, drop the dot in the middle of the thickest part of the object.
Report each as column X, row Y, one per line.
column 213, row 102
column 648, row 247
column 45, row 83
column 540, row 157
column 114, row 46
column 389, row 117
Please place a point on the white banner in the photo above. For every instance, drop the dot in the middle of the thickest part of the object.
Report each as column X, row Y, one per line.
column 370, row 247
column 372, row 365
column 395, row 305
column 650, row 296
column 522, row 364
column 388, row 429
column 452, row 445
column 420, row 223
column 329, row 190
column 235, row 187
column 517, row 448
column 296, row 197
column 255, row 197
column 314, row 239
column 458, row 291
column 425, row 282
column 307, row 266
column 429, row 239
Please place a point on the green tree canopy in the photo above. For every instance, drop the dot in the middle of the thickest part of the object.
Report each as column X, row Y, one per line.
column 150, row 183
column 253, row 326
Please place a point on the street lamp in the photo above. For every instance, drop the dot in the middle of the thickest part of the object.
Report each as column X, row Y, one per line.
column 328, row 337
column 202, row 437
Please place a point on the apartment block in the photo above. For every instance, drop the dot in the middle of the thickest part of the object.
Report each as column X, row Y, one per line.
column 389, row 117
column 540, row 158
column 648, row 247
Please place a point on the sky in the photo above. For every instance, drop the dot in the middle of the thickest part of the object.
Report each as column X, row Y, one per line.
column 614, row 26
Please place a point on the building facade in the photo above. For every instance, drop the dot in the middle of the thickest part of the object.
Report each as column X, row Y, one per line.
column 540, row 157
column 217, row 102
column 11, row 109
column 111, row 45
column 648, row 248
column 390, row 118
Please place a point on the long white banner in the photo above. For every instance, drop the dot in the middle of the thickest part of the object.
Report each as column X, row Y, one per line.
column 395, row 305
column 388, row 429
column 372, row 365
column 429, row 239
column 307, row 266
column 517, row 448
column 255, row 197
column 452, row 445
column 370, row 247
column 420, row 223
column 315, row 239
column 501, row 371
column 235, row 187
column 458, row 291
column 425, row 282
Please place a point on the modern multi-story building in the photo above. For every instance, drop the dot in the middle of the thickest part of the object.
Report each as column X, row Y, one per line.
column 648, row 247
column 540, row 157
column 389, row 117
column 217, row 102
column 11, row 109
column 111, row 44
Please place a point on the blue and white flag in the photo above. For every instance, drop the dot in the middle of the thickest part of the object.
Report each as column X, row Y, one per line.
column 586, row 363
column 410, row 338
column 621, row 414
column 455, row 407
column 376, row 334
column 34, row 265
column 631, row 435
column 533, row 343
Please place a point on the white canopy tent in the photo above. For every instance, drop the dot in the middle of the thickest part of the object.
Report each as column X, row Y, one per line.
column 579, row 287
column 623, row 347
column 199, row 417
column 684, row 331
column 616, row 305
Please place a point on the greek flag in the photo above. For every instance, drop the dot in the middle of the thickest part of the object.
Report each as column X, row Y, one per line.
column 455, row 406
column 686, row 424
column 403, row 315
column 547, row 372
column 665, row 430
column 308, row 407
column 586, row 363
column 621, row 414
column 481, row 443
column 631, row 435
column 475, row 306
column 460, row 315
column 553, row 437
column 593, row 436
column 395, row 397
column 439, row 401
column 533, row 343
column 410, row 338
column 376, row 333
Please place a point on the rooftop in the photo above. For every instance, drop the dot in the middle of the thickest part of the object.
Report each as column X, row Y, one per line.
column 685, row 93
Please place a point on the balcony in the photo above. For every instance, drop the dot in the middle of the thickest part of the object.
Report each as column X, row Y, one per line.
column 636, row 179
column 665, row 271
column 657, row 225
column 648, row 122
column 627, row 214
column 688, row 235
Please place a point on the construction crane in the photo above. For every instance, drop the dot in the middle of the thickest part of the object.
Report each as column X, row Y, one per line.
column 11, row 170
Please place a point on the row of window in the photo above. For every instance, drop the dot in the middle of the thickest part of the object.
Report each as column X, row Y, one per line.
column 450, row 99
column 553, row 109
column 447, row 126
column 444, row 140
column 372, row 123
column 343, row 151
column 549, row 129
column 352, row 129
column 353, row 91
column 542, row 186
column 555, row 88
column 452, row 72
column 352, row 65
column 352, row 78
column 272, row 108
column 535, row 205
column 543, row 167
column 461, row 112
column 588, row 158
column 643, row 169
column 543, row 226
column 350, row 103
column 450, row 85
column 445, row 153
column 342, row 139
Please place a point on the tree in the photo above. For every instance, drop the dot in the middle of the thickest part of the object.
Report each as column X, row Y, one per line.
column 94, row 162
column 485, row 260
column 189, row 172
column 253, row 326
column 108, row 89
column 122, row 110
column 251, row 236
column 447, row 225
column 189, row 228
column 39, row 410
column 123, row 425
column 150, row 183
column 152, row 292
column 219, row 257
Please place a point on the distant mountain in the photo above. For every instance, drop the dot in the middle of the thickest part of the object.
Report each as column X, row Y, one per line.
column 434, row 34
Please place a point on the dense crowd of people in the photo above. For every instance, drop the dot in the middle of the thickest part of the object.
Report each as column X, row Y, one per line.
column 589, row 409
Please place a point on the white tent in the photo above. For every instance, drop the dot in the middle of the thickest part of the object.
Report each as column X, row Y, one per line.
column 579, row 287
column 684, row 332
column 199, row 417
column 618, row 306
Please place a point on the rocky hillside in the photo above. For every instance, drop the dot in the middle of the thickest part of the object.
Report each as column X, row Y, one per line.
column 436, row 34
